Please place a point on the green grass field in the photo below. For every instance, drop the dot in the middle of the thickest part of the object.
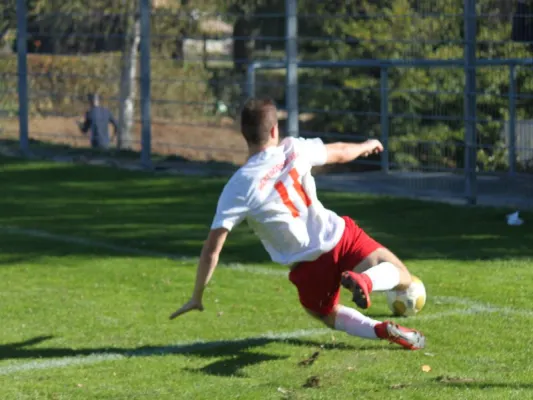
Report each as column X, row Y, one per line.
column 86, row 290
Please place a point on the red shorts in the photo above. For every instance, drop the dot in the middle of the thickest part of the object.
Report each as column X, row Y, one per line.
column 318, row 281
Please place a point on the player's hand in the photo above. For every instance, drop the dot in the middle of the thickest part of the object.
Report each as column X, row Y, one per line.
column 80, row 125
column 191, row 305
column 373, row 146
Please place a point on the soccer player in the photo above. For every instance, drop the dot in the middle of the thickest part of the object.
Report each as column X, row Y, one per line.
column 275, row 192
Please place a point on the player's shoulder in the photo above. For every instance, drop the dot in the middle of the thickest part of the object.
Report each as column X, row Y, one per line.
column 299, row 142
column 290, row 141
column 307, row 148
column 239, row 182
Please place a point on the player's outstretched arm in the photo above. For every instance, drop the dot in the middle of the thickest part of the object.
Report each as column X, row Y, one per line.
column 85, row 124
column 206, row 266
column 341, row 152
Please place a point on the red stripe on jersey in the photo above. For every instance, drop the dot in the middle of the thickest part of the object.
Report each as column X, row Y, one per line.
column 299, row 188
column 282, row 190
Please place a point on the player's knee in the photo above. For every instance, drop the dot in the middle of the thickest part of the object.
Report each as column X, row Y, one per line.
column 328, row 318
column 331, row 317
column 405, row 279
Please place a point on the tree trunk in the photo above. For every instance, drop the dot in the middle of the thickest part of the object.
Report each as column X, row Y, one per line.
column 128, row 83
column 243, row 44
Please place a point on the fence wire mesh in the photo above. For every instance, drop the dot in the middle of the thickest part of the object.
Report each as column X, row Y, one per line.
column 200, row 57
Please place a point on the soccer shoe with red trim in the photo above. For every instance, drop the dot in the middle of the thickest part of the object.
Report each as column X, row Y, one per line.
column 360, row 285
column 408, row 338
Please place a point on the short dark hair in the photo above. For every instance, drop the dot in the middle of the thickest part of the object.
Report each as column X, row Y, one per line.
column 93, row 98
column 258, row 117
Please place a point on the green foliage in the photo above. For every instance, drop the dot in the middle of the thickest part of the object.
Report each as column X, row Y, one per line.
column 7, row 16
column 8, row 86
column 426, row 104
column 59, row 85
column 495, row 160
column 181, row 93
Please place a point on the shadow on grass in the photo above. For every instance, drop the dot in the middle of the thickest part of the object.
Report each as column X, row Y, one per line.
column 463, row 383
column 57, row 151
column 489, row 385
column 231, row 355
column 173, row 214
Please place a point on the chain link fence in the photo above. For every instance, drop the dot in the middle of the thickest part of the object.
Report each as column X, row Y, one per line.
column 447, row 86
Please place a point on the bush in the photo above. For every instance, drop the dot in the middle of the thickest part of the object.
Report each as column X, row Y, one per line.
column 58, row 85
column 8, row 86
column 426, row 104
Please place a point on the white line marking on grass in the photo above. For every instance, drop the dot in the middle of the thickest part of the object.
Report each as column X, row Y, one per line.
column 475, row 307
column 454, row 313
column 59, row 363
column 180, row 348
column 456, row 300
column 256, row 269
column 251, row 268
column 514, row 311
column 203, row 345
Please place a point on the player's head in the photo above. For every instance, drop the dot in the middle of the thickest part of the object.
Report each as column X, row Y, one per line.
column 259, row 122
column 94, row 99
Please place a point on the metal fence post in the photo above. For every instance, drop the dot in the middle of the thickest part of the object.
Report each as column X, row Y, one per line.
column 470, row 101
column 22, row 71
column 512, row 119
column 291, row 82
column 146, row 135
column 250, row 80
column 384, row 114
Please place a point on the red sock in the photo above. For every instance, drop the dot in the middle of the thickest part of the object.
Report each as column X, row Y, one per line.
column 381, row 330
column 368, row 282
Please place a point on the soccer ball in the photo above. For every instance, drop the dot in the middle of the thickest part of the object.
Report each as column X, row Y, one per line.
column 406, row 303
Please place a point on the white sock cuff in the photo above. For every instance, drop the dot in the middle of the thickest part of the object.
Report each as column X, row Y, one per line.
column 354, row 323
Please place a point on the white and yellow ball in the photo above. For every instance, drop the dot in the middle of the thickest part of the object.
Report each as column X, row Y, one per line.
column 409, row 302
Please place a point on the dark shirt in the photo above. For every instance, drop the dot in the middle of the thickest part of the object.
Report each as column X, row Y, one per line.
column 97, row 119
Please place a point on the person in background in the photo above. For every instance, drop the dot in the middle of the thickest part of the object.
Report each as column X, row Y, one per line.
column 97, row 120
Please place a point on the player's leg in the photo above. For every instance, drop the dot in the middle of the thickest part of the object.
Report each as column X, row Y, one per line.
column 380, row 271
column 368, row 266
column 354, row 323
column 381, row 263
column 318, row 285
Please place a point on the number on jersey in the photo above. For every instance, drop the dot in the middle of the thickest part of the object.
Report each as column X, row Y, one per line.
column 284, row 194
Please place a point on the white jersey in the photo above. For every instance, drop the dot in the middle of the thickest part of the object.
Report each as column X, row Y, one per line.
column 276, row 193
